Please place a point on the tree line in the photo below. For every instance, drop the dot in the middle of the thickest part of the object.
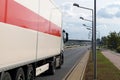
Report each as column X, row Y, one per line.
column 112, row 41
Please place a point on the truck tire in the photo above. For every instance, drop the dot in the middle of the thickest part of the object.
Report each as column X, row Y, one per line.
column 30, row 73
column 60, row 62
column 5, row 76
column 51, row 70
column 62, row 59
column 20, row 74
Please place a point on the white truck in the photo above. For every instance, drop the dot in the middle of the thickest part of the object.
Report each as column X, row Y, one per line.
column 31, row 38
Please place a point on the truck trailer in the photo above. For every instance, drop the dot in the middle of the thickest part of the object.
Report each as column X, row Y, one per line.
column 31, row 38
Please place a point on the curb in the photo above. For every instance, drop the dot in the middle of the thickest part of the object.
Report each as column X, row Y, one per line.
column 78, row 70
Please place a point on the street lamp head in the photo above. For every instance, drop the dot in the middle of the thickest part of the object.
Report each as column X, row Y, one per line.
column 84, row 24
column 82, row 18
column 75, row 4
column 88, row 28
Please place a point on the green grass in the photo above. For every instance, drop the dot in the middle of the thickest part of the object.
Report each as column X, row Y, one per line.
column 105, row 69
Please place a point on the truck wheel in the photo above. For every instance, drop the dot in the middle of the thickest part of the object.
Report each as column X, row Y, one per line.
column 30, row 73
column 5, row 76
column 51, row 70
column 62, row 59
column 60, row 62
column 20, row 74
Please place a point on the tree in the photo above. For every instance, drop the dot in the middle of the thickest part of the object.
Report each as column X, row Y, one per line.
column 113, row 40
column 104, row 41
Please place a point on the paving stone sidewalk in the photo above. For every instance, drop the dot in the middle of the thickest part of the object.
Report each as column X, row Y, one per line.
column 113, row 57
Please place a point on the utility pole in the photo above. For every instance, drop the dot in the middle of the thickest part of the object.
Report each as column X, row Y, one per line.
column 94, row 42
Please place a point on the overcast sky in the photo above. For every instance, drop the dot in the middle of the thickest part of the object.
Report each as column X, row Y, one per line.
column 108, row 17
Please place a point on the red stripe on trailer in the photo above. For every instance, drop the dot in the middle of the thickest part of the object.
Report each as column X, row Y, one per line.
column 21, row 16
column 2, row 10
column 6, row 8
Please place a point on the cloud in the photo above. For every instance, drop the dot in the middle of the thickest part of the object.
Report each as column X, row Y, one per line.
column 118, row 14
column 104, row 14
column 110, row 11
column 67, row 9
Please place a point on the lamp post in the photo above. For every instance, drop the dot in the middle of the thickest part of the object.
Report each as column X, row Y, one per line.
column 77, row 5
column 92, row 31
column 93, row 34
column 89, row 31
column 94, row 41
column 89, row 28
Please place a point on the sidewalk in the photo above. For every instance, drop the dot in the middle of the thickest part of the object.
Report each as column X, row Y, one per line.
column 113, row 57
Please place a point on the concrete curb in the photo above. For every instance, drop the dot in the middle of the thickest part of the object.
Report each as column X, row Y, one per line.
column 77, row 72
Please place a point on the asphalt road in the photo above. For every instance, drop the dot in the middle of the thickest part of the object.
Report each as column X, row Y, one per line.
column 71, row 56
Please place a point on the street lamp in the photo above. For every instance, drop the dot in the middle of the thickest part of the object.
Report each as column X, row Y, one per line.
column 89, row 31
column 85, row 19
column 93, row 35
column 82, row 18
column 77, row 5
column 87, row 26
column 84, row 24
column 90, row 28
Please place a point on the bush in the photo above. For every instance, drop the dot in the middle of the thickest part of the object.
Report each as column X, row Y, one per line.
column 118, row 49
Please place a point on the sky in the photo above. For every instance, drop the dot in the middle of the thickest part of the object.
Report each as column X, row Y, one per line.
column 108, row 17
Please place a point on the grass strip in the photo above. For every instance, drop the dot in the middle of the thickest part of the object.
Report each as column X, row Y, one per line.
column 105, row 69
